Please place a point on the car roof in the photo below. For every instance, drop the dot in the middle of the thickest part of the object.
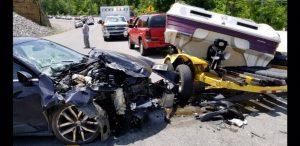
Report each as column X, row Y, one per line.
column 19, row 40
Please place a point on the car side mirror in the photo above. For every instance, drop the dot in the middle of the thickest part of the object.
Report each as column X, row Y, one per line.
column 24, row 77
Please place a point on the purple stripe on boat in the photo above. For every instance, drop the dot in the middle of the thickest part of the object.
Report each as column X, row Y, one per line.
column 188, row 26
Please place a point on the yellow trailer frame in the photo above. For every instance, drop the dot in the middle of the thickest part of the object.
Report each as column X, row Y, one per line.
column 199, row 69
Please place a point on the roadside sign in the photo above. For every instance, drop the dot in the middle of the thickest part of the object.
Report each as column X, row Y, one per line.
column 150, row 8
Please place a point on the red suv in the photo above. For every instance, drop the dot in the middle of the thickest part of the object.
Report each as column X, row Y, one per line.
column 147, row 32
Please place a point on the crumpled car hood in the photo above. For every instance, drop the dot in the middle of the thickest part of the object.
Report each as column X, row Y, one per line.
column 133, row 66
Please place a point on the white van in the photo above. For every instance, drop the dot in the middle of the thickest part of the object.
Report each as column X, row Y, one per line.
column 114, row 11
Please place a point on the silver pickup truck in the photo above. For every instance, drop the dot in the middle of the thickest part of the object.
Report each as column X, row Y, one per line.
column 114, row 26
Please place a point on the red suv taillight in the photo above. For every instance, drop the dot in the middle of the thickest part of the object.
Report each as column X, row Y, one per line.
column 148, row 35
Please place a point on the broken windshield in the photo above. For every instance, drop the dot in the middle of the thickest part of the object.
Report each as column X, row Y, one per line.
column 45, row 55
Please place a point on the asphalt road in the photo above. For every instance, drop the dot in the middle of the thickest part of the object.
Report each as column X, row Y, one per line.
column 267, row 119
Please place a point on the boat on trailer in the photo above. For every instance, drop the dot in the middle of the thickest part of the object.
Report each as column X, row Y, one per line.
column 193, row 30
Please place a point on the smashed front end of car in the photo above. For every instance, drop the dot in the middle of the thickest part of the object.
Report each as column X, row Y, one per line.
column 118, row 83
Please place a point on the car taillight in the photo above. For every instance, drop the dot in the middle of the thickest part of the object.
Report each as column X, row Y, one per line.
column 148, row 35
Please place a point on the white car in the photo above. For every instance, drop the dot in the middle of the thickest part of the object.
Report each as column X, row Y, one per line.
column 90, row 20
column 78, row 23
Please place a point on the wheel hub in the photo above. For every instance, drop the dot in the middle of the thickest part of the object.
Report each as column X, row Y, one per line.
column 78, row 123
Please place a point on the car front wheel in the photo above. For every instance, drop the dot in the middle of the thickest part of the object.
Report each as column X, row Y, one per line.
column 72, row 126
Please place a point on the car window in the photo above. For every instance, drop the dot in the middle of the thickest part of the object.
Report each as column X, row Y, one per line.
column 16, row 68
column 145, row 21
column 136, row 21
column 158, row 21
column 140, row 23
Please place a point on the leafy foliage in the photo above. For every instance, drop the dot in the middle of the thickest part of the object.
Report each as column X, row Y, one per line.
column 272, row 12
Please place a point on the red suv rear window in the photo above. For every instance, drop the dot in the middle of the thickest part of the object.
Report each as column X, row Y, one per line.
column 157, row 21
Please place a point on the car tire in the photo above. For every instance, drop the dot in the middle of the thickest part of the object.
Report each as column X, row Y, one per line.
column 131, row 45
column 143, row 50
column 170, row 65
column 105, row 39
column 86, row 129
column 185, row 83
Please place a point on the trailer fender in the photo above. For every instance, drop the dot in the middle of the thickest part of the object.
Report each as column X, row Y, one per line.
column 177, row 59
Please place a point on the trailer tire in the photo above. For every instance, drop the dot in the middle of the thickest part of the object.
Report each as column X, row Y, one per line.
column 185, row 82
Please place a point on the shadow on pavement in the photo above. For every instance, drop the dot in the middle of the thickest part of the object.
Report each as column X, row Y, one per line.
column 152, row 125
column 117, row 39
column 154, row 53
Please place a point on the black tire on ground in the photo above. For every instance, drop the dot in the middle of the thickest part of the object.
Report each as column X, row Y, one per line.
column 68, row 120
column 105, row 38
column 143, row 51
column 170, row 65
column 131, row 45
column 185, row 81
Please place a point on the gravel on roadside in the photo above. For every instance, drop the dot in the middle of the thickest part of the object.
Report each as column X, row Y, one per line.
column 26, row 27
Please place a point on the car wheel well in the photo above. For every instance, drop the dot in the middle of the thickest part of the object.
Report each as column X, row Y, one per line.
column 49, row 114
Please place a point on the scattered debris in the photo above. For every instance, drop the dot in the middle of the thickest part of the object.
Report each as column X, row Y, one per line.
column 223, row 108
column 238, row 122
column 284, row 132
column 253, row 134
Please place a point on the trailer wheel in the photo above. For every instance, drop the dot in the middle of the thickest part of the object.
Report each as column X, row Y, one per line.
column 185, row 82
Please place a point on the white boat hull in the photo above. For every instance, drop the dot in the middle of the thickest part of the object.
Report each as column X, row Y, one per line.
column 195, row 35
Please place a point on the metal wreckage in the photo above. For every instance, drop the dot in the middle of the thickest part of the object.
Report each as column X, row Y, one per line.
column 109, row 90
column 111, row 86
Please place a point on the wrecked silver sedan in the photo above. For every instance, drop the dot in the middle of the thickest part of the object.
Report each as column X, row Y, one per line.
column 79, row 98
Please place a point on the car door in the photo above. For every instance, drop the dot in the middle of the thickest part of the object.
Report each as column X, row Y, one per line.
column 140, row 29
column 134, row 31
column 27, row 109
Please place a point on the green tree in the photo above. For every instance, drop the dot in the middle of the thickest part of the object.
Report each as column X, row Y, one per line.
column 271, row 12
